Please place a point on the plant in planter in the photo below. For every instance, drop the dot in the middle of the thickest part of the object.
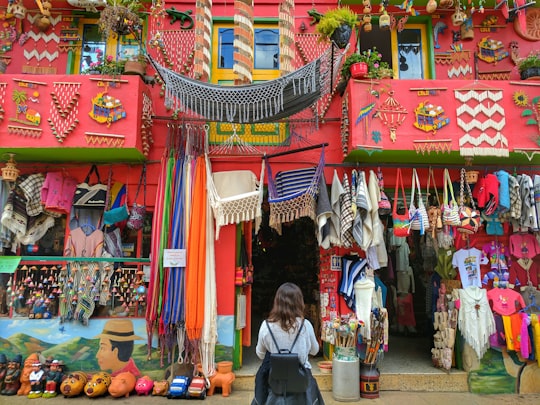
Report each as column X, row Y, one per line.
column 337, row 25
column 136, row 65
column 529, row 66
column 121, row 17
column 374, row 68
column 105, row 66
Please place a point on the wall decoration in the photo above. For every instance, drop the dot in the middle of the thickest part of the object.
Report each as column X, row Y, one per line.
column 98, row 139
column 10, row 29
column 424, row 146
column 2, row 101
column 531, row 108
column 438, row 29
column 483, row 135
column 106, row 109
column 50, row 56
column 64, row 109
column 430, row 117
column 491, row 50
column 392, row 114
column 531, row 30
column 489, row 24
column 25, row 131
column 24, row 113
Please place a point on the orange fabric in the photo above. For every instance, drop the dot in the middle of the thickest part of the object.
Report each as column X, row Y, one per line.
column 196, row 254
column 515, row 319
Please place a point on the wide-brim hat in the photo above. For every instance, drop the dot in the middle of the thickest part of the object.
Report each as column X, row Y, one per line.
column 119, row 330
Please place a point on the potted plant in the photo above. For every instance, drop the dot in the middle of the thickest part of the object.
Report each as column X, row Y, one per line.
column 136, row 65
column 337, row 24
column 105, row 66
column 368, row 64
column 120, row 17
column 529, row 66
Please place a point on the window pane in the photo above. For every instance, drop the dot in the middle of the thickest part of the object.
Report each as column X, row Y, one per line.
column 410, row 54
column 266, row 49
column 377, row 38
column 226, row 48
column 93, row 47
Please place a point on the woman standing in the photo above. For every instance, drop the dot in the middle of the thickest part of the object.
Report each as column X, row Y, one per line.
column 286, row 322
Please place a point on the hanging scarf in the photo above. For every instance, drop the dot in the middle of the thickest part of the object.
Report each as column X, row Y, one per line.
column 476, row 321
column 196, row 254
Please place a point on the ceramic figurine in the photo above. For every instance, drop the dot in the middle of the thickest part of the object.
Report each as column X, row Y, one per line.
column 222, row 379
column 53, row 378
column 98, row 385
column 13, row 373
column 144, row 385
column 160, row 388
column 37, row 379
column 3, row 370
column 25, row 387
column 73, row 384
column 122, row 384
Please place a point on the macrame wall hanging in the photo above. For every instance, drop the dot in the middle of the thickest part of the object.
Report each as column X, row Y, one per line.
column 482, row 119
column 102, row 139
column 49, row 50
column 64, row 109
column 392, row 114
column 287, row 39
column 26, row 99
column 426, row 146
column 243, row 41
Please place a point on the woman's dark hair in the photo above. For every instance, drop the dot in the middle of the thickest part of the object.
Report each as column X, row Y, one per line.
column 288, row 305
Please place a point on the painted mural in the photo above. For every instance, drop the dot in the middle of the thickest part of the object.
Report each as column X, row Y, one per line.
column 88, row 348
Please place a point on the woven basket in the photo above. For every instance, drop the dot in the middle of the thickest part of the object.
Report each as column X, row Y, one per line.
column 471, row 176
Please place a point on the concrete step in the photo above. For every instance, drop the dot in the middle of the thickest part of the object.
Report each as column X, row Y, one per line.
column 432, row 380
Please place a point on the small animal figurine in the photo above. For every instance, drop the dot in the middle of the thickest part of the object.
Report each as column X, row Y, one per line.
column 98, row 385
column 74, row 384
column 122, row 384
column 144, row 385
column 161, row 388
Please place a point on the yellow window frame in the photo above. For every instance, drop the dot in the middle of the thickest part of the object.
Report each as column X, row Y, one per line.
column 425, row 50
column 270, row 133
column 112, row 44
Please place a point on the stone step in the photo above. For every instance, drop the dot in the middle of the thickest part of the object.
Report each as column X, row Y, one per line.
column 432, row 381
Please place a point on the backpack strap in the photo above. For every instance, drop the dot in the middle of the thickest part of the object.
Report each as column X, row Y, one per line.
column 295, row 339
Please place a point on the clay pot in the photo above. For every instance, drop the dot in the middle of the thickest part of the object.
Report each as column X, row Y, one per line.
column 134, row 68
column 384, row 21
column 224, row 367
column 359, row 70
column 431, row 6
column 342, row 35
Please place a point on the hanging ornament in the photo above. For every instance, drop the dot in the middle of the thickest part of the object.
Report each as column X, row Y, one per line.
column 431, row 6
column 392, row 114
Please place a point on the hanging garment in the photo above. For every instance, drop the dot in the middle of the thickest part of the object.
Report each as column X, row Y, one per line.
column 515, row 201
column 468, row 263
column 524, row 246
column 505, row 301
column 377, row 225
column 326, row 231
column 346, row 214
column 362, row 211
column 504, row 191
column 235, row 196
column 528, row 218
column 363, row 291
column 351, row 271
column 336, row 191
column 475, row 319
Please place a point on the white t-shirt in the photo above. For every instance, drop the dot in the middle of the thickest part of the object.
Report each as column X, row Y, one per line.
column 305, row 345
column 468, row 262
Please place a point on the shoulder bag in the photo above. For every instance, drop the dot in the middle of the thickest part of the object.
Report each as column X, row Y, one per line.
column 385, row 207
column 434, row 206
column 401, row 222
column 418, row 215
column 287, row 374
column 138, row 211
column 469, row 217
column 450, row 208
column 90, row 196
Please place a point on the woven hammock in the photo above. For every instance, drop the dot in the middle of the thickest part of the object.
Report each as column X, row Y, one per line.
column 267, row 101
column 236, row 208
column 292, row 194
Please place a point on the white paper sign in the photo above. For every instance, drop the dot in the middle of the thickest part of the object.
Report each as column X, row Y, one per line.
column 174, row 257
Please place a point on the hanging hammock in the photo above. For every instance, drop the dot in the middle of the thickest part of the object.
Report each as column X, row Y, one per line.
column 291, row 194
column 267, row 101
column 235, row 196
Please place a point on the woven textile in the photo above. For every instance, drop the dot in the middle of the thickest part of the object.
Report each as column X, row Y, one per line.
column 258, row 102
column 235, row 196
column 293, row 202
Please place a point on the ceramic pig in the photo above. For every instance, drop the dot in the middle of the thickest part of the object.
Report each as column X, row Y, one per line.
column 160, row 388
column 73, row 384
column 98, row 385
column 144, row 385
column 122, row 384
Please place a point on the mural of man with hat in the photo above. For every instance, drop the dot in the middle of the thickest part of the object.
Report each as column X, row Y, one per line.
column 116, row 347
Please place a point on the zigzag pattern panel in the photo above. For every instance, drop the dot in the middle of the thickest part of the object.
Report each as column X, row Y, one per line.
column 459, row 70
column 491, row 140
column 480, row 108
column 494, row 95
column 39, row 56
column 36, row 36
column 481, row 125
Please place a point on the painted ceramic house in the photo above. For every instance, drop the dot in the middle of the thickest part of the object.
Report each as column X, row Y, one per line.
column 210, row 84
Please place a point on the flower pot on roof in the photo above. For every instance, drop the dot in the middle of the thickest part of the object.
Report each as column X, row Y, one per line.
column 337, row 24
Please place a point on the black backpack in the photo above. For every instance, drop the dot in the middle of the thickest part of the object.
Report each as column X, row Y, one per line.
column 287, row 374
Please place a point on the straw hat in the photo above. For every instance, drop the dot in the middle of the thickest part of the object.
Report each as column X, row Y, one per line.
column 119, row 330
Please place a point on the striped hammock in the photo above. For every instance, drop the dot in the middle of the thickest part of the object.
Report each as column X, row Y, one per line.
column 235, row 196
column 292, row 194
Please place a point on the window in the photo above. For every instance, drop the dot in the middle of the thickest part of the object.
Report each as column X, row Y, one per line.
column 266, row 67
column 94, row 47
column 407, row 52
